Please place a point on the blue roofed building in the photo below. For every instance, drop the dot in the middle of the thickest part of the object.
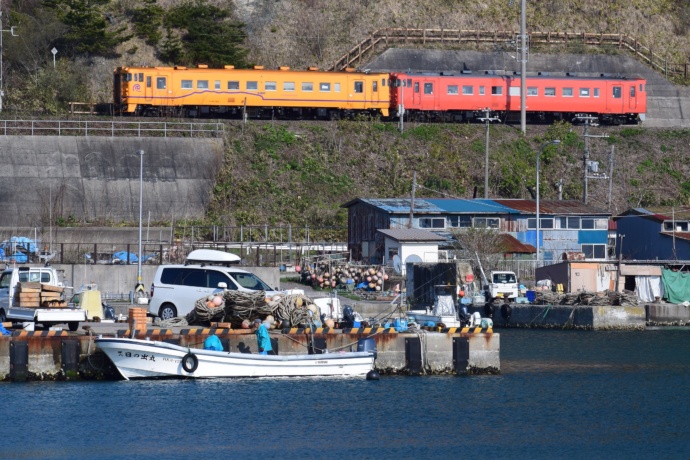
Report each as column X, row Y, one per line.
column 567, row 228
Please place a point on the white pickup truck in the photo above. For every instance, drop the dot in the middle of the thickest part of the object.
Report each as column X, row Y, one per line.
column 11, row 277
column 502, row 284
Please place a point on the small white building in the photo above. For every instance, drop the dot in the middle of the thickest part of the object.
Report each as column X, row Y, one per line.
column 410, row 245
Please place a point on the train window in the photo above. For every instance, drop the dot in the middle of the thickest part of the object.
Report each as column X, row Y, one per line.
column 253, row 85
column 428, row 88
column 632, row 91
column 148, row 82
column 288, row 86
column 359, row 87
column 617, row 92
column 567, row 92
column 467, row 90
column 596, row 92
column 270, row 86
column 532, row 91
column 141, row 76
column 409, row 82
column 383, row 82
column 497, row 90
column 233, row 85
column 481, row 90
column 453, row 90
column 307, row 86
column 325, row 87
column 128, row 77
column 216, row 84
column 416, row 87
column 641, row 87
column 161, row 83
column 549, row 91
column 584, row 92
column 336, row 87
column 514, row 91
column 375, row 86
column 136, row 77
column 202, row 84
column 187, row 84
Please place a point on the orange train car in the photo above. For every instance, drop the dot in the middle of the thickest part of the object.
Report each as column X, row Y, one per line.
column 256, row 93
column 467, row 97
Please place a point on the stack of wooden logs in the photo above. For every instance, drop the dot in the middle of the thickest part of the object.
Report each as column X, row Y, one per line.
column 38, row 295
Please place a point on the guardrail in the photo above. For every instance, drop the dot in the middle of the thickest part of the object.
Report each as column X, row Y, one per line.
column 386, row 36
column 112, row 128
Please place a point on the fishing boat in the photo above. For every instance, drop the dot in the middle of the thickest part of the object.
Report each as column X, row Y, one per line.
column 145, row 359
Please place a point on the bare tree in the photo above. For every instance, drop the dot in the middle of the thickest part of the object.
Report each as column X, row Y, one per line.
column 484, row 243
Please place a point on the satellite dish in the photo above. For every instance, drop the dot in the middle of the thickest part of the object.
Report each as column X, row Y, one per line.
column 397, row 264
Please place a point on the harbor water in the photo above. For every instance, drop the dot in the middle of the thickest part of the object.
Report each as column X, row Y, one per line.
column 571, row 394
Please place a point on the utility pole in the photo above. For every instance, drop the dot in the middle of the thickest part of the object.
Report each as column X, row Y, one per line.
column 610, row 175
column 523, row 67
column 486, row 158
column 587, row 174
column 11, row 31
column 414, row 187
column 401, row 106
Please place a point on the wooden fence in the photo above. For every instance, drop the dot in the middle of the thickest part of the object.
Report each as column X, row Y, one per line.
column 383, row 38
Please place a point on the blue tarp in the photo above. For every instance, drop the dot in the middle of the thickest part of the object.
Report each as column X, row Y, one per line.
column 122, row 255
column 18, row 247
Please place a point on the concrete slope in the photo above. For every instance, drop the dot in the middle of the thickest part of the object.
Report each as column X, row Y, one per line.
column 99, row 177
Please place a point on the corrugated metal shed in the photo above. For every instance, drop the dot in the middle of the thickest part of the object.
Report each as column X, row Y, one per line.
column 553, row 207
column 412, row 235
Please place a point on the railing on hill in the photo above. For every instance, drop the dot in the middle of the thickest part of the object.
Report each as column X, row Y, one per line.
column 112, row 128
column 386, row 36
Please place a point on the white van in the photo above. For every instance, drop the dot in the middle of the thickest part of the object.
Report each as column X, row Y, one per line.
column 176, row 288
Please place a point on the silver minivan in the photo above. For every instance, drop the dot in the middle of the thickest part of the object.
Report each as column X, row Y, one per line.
column 176, row 288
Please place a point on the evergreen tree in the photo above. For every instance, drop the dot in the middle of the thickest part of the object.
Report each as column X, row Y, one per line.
column 171, row 49
column 148, row 20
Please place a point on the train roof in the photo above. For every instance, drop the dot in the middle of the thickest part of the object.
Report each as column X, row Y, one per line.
column 504, row 74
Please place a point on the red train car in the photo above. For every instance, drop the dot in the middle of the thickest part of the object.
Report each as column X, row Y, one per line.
column 465, row 97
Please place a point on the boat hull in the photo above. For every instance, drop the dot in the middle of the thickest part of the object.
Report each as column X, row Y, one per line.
column 141, row 359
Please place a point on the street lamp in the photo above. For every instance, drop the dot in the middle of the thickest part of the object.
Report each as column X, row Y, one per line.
column 140, row 286
column 553, row 142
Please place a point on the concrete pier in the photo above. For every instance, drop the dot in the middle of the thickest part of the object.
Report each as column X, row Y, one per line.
column 601, row 317
column 62, row 355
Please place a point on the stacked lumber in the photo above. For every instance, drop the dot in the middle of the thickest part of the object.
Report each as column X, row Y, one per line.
column 38, row 295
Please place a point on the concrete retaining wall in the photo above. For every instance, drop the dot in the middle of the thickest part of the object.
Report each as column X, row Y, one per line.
column 99, row 177
column 576, row 317
column 667, row 315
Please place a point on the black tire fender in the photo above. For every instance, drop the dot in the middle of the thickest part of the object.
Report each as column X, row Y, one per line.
column 190, row 362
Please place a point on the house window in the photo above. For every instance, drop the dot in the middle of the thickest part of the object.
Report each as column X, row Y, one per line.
column 486, row 222
column 252, row 85
column 187, row 84
column 202, row 84
column 496, row 90
column 460, row 221
column 594, row 251
column 567, row 92
column 546, row 222
column 669, row 226
column 289, row 86
column 453, row 90
column 270, row 86
column 428, row 88
column 549, row 91
column 233, row 85
column 432, row 222
column 310, row 87
column 594, row 224
column 468, row 90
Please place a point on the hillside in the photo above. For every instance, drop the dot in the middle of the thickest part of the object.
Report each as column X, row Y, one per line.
column 300, row 173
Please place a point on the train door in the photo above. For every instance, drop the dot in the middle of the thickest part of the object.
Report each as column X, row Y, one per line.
column 159, row 87
column 416, row 94
column 429, row 94
column 632, row 98
column 357, row 93
column 614, row 100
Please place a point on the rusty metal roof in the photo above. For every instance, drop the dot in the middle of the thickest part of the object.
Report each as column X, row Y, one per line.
column 660, row 213
column 553, row 207
column 512, row 245
column 412, row 235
